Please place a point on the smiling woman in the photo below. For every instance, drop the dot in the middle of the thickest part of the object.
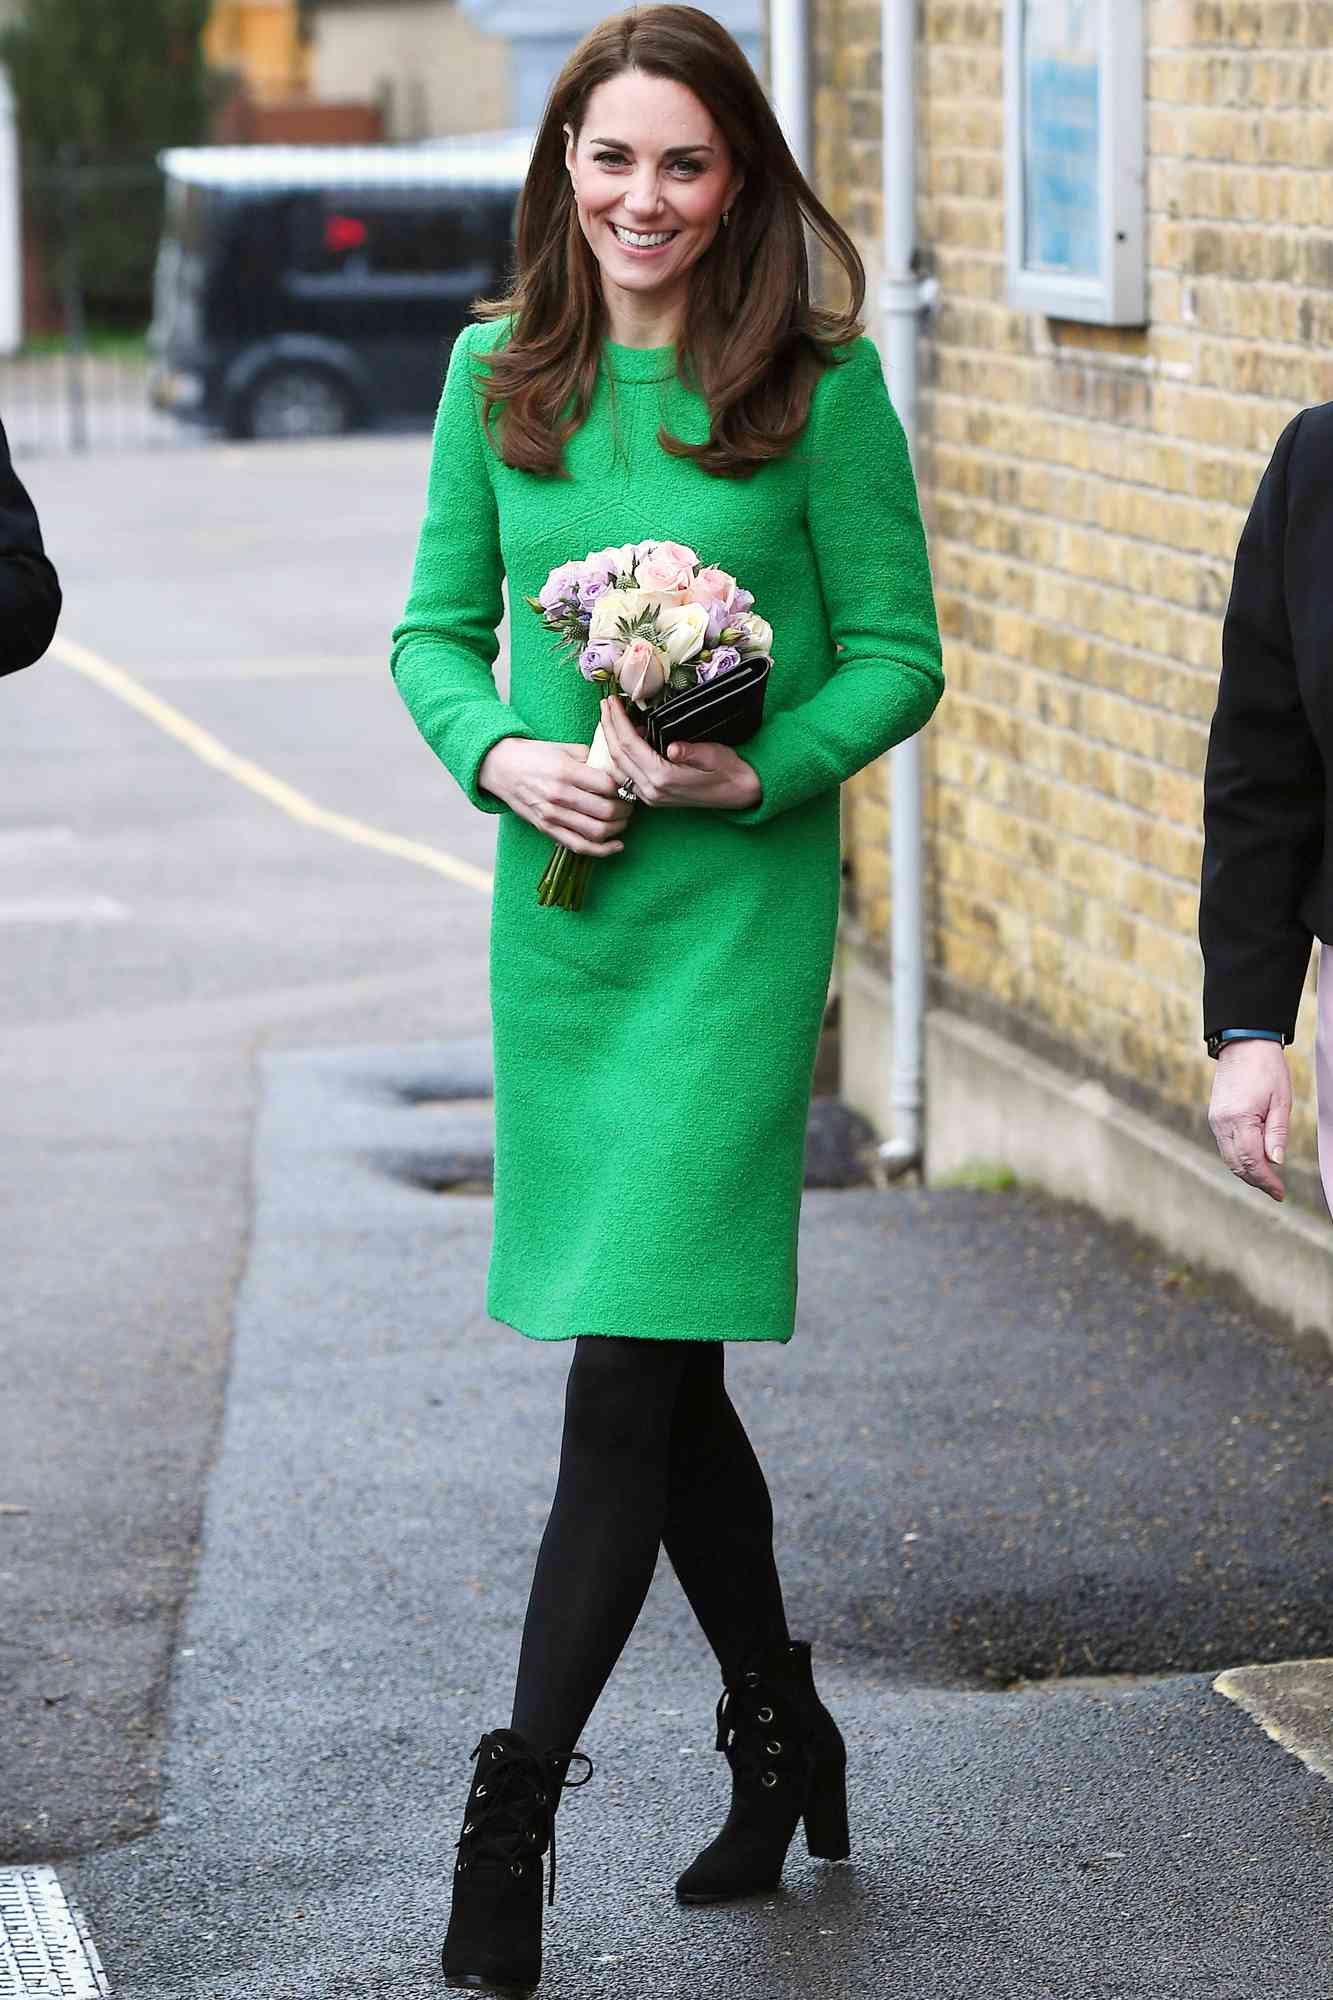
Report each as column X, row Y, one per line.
column 658, row 381
column 649, row 208
column 663, row 207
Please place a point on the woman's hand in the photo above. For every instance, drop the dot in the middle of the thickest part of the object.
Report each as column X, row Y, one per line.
column 691, row 774
column 551, row 786
column 1250, row 1113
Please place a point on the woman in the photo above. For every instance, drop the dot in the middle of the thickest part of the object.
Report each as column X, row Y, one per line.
column 1267, row 886
column 658, row 372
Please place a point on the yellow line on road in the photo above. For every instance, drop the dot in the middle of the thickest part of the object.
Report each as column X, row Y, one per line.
column 255, row 778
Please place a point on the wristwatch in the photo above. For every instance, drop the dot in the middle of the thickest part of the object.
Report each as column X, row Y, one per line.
column 1215, row 1043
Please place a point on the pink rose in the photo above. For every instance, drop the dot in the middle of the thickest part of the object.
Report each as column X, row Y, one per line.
column 712, row 586
column 642, row 672
column 667, row 566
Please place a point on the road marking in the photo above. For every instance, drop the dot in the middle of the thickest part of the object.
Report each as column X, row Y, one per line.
column 1292, row 1701
column 243, row 771
column 63, row 910
column 45, row 1947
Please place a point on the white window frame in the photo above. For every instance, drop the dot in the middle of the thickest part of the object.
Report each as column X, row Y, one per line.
column 1117, row 294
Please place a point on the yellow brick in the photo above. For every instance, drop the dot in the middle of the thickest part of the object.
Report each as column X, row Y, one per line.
column 1085, row 490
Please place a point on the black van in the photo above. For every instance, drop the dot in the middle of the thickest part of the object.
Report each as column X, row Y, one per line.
column 306, row 290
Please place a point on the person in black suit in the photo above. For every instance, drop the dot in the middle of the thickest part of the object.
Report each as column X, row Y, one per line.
column 29, row 587
column 1267, row 887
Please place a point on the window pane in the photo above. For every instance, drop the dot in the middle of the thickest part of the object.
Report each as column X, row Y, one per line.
column 1062, row 137
column 391, row 234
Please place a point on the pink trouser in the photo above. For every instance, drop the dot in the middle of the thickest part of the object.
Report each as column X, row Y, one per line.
column 1323, row 1069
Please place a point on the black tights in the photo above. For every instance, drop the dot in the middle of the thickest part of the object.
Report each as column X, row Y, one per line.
column 653, row 1455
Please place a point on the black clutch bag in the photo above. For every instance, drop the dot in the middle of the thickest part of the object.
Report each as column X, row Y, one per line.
column 727, row 710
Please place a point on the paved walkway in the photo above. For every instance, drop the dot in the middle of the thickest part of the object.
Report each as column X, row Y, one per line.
column 1005, row 1442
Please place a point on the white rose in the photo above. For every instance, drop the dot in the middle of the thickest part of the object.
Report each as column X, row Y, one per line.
column 684, row 628
column 615, row 606
column 756, row 633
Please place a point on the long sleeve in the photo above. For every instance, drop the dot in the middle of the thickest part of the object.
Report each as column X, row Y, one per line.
column 874, row 573
column 444, row 649
column 1263, row 787
column 29, row 589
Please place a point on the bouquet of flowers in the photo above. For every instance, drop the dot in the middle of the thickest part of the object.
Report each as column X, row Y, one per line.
column 653, row 621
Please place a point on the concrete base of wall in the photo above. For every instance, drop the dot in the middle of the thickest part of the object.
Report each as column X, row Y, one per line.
column 990, row 1103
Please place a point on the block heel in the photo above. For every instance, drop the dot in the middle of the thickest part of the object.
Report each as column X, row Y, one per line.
column 827, row 1835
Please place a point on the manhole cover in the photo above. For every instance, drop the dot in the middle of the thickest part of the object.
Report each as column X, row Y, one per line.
column 45, row 1948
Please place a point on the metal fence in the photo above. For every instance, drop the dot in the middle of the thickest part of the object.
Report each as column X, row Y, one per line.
column 251, row 291
column 80, row 380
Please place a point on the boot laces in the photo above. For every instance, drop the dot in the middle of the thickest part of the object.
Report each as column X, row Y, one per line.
column 750, row 1733
column 511, row 1813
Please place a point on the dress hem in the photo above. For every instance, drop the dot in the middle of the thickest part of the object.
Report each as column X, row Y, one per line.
column 609, row 1333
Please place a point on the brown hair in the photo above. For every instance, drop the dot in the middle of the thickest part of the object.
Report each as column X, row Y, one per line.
column 752, row 343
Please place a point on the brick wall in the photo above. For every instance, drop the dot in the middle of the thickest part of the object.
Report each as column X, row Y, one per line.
column 1084, row 490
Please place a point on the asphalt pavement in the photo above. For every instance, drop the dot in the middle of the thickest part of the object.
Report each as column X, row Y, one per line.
column 1035, row 1488
column 159, row 925
column 1005, row 1442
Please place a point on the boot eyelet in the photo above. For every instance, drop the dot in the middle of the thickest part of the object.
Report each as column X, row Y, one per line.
column 533, row 1834
column 765, row 1714
column 496, row 1753
column 516, row 1867
column 770, row 1779
column 752, row 1680
column 467, row 1829
column 460, row 1867
column 773, row 1749
column 481, row 1791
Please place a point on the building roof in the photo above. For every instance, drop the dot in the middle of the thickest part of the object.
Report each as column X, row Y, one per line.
column 569, row 20
column 481, row 159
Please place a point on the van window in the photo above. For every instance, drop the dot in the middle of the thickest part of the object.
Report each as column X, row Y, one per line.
column 356, row 235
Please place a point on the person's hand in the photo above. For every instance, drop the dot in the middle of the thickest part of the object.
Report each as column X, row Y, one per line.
column 551, row 786
column 691, row 774
column 1250, row 1112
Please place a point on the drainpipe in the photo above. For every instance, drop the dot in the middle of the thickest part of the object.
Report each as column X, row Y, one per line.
column 903, row 298
column 789, row 75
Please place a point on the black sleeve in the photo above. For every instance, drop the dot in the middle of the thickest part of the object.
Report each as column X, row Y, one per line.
column 1263, row 787
column 29, row 589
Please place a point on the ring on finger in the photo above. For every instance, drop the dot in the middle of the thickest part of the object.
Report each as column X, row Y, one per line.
column 627, row 792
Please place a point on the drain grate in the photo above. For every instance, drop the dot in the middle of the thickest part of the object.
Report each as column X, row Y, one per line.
column 45, row 1949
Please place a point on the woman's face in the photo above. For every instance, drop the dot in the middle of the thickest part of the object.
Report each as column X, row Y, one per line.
column 652, row 174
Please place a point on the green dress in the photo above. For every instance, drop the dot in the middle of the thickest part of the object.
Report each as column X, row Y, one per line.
column 654, row 1051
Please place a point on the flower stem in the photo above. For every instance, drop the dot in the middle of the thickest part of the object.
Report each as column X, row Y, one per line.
column 565, row 882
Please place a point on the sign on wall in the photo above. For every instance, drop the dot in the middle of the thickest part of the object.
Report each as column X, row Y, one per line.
column 1074, row 159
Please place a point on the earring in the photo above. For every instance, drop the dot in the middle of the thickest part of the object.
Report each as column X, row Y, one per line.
column 726, row 217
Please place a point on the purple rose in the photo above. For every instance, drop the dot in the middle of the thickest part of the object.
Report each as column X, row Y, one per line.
column 718, row 616
column 561, row 587
column 721, row 662
column 595, row 586
column 742, row 601
column 598, row 659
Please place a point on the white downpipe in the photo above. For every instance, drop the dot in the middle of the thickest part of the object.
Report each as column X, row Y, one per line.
column 903, row 298
column 789, row 76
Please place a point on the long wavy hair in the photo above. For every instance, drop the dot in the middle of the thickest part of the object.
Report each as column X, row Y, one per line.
column 753, row 344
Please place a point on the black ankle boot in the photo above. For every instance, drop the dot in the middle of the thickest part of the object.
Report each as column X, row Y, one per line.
column 788, row 1763
column 494, row 1942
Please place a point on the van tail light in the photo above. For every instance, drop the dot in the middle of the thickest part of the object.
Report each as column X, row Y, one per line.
column 343, row 233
